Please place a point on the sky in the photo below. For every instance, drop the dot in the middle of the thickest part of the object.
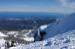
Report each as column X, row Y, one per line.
column 52, row 6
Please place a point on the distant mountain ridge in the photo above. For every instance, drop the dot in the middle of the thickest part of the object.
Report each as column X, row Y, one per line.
column 27, row 14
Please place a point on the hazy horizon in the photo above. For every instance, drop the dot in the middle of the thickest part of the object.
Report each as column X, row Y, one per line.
column 51, row 6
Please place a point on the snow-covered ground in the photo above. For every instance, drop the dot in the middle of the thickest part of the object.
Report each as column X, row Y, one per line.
column 60, row 41
column 60, row 35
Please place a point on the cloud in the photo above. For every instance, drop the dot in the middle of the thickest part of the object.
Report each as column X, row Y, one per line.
column 68, row 3
column 65, row 6
column 31, row 9
column 24, row 9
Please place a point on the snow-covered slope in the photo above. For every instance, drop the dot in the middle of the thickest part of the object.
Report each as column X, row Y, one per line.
column 63, row 25
column 60, row 35
column 60, row 41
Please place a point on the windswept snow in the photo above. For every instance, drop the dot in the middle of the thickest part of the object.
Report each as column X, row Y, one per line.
column 60, row 41
column 60, row 35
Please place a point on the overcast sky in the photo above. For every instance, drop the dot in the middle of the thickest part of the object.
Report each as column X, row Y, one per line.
column 57, row 6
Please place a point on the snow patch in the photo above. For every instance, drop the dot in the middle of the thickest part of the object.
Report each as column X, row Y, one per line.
column 2, row 35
